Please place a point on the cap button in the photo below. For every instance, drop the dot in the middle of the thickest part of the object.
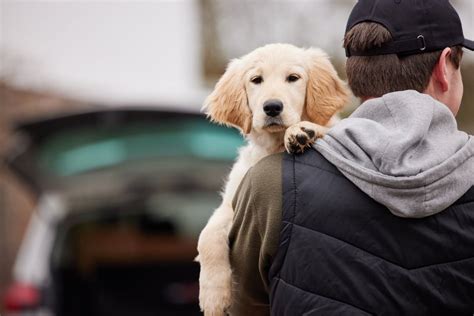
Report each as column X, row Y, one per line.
column 398, row 1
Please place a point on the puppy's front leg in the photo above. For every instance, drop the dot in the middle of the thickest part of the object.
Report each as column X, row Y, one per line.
column 302, row 135
column 215, row 278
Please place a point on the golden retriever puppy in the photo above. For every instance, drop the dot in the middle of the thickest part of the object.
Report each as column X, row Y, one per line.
column 278, row 96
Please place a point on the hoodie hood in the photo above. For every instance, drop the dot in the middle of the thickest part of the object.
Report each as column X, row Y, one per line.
column 405, row 151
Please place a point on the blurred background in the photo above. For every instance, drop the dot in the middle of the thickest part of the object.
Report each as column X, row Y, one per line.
column 104, row 183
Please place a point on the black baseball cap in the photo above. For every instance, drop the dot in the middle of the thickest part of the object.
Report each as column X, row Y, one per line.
column 417, row 26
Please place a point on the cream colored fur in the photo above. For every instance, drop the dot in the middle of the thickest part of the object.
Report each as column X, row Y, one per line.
column 309, row 103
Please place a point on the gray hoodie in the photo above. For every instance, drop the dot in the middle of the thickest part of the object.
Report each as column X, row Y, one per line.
column 404, row 150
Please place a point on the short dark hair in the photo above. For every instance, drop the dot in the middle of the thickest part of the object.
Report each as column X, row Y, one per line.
column 374, row 76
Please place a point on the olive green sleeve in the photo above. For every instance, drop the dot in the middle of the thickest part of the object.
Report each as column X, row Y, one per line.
column 254, row 235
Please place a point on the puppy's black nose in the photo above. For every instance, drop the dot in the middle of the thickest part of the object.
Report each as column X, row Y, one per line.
column 273, row 107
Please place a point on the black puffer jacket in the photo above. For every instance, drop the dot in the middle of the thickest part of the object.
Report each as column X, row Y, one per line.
column 342, row 253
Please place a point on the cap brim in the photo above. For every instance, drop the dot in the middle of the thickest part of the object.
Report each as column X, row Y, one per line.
column 468, row 44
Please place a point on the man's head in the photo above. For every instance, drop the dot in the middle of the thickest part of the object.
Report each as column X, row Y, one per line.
column 396, row 45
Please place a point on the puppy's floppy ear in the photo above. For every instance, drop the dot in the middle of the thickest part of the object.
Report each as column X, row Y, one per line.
column 227, row 104
column 326, row 93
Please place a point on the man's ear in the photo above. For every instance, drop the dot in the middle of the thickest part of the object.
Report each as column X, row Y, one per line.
column 326, row 93
column 440, row 72
column 227, row 104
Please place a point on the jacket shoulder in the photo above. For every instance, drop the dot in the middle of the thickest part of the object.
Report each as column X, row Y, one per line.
column 267, row 167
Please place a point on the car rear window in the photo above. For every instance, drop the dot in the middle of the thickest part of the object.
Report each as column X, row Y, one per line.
column 80, row 150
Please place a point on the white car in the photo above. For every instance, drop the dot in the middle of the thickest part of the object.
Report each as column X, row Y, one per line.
column 123, row 195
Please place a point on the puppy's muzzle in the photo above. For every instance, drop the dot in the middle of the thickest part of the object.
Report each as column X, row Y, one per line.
column 273, row 108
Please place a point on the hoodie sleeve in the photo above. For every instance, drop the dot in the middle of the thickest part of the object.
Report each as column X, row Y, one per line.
column 254, row 235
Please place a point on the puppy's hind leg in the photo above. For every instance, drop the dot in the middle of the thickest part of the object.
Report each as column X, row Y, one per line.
column 215, row 279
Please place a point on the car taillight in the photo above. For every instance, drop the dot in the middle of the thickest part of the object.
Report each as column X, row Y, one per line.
column 21, row 297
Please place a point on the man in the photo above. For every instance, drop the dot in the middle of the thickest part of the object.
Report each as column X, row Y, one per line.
column 379, row 218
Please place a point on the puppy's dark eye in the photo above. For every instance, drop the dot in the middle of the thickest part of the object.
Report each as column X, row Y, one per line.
column 256, row 80
column 293, row 78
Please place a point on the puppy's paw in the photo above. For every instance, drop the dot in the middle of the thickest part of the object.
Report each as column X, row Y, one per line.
column 215, row 292
column 302, row 135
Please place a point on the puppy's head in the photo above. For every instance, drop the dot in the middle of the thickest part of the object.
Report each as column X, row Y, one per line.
column 274, row 87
